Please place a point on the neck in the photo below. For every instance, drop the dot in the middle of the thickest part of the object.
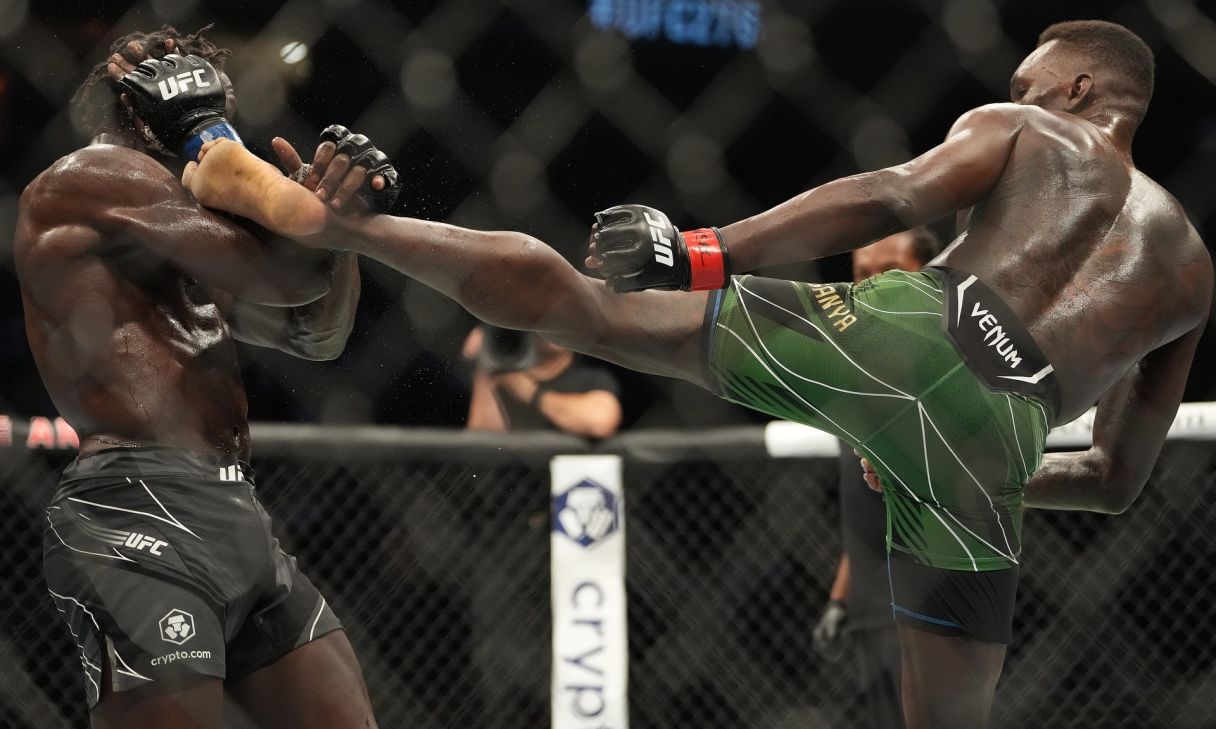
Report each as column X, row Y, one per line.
column 1116, row 124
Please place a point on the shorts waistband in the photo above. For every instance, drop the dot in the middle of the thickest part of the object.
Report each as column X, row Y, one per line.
column 157, row 461
column 992, row 340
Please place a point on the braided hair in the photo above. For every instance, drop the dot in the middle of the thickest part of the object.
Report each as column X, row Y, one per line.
column 96, row 107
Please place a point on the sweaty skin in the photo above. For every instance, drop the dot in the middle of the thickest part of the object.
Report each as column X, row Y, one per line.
column 133, row 294
column 1098, row 261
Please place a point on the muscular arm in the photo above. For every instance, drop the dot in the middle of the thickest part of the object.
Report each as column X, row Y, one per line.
column 316, row 331
column 106, row 195
column 850, row 212
column 1129, row 429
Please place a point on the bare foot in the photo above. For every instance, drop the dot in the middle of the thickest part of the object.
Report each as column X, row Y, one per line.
column 229, row 177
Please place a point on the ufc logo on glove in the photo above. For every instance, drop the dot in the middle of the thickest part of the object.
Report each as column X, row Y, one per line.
column 174, row 85
column 662, row 244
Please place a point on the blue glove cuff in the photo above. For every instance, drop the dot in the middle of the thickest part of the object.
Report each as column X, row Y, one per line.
column 220, row 129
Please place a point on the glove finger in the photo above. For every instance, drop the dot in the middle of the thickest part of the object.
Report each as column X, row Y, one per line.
column 334, row 133
column 377, row 165
column 149, row 69
column 354, row 145
column 613, row 216
column 369, row 158
column 630, row 282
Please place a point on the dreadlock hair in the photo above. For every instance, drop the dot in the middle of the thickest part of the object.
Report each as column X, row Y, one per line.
column 96, row 107
column 1110, row 45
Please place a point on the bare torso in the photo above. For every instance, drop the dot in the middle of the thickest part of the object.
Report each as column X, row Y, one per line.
column 1099, row 262
column 132, row 348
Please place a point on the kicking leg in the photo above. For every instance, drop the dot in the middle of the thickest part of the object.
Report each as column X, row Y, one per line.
column 504, row 278
column 316, row 686
column 948, row 680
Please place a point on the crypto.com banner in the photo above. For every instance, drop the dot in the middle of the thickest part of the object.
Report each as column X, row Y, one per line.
column 590, row 653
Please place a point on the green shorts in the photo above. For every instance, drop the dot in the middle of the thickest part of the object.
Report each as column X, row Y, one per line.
column 927, row 374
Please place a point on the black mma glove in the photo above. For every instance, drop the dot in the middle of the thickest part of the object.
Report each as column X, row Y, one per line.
column 181, row 100
column 638, row 248
column 363, row 154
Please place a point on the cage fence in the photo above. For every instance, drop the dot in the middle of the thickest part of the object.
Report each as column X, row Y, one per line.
column 528, row 115
column 434, row 551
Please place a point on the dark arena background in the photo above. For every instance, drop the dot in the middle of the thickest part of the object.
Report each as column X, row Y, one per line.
column 432, row 543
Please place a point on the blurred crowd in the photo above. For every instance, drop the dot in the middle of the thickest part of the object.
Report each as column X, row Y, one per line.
column 533, row 116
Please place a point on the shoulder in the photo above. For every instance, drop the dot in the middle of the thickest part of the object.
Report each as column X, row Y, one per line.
column 97, row 172
column 76, row 194
column 993, row 117
column 1161, row 212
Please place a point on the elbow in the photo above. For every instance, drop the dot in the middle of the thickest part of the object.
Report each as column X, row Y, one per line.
column 886, row 191
column 1121, row 485
column 319, row 348
column 1121, row 494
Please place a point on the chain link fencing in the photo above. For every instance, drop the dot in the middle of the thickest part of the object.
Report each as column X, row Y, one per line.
column 433, row 548
column 531, row 115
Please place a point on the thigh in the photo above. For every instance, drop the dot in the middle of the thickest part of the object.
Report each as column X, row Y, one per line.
column 143, row 616
column 948, row 681
column 183, row 702
column 316, row 686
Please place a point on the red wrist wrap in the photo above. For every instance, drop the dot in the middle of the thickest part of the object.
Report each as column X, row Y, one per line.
column 706, row 258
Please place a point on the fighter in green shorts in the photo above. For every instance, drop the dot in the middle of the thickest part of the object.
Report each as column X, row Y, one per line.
column 1097, row 264
column 872, row 364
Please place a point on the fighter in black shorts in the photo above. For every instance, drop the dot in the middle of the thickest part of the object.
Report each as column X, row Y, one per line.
column 157, row 551
column 1074, row 279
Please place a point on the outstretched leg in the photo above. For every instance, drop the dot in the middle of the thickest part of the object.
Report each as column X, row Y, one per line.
column 502, row 277
column 229, row 177
column 948, row 680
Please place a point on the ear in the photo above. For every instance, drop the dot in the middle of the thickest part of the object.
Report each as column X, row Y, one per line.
column 1078, row 90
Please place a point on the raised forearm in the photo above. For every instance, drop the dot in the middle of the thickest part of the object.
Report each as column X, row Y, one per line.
column 323, row 327
column 316, row 331
column 833, row 218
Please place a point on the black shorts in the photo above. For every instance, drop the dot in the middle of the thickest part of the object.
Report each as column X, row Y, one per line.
column 164, row 563
column 954, row 602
